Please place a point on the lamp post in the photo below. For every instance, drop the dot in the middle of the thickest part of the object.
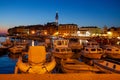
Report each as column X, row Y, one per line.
column 33, row 32
column 109, row 34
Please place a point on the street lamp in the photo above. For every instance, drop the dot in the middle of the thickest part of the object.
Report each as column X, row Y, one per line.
column 33, row 32
column 109, row 34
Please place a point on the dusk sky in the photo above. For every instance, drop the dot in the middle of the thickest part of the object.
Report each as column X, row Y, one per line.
column 81, row 12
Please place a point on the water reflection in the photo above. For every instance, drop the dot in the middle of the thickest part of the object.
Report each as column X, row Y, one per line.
column 8, row 64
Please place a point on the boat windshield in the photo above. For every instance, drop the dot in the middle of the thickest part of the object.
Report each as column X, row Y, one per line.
column 109, row 50
column 63, row 50
column 99, row 49
column 93, row 49
column 69, row 50
column 59, row 43
column 116, row 50
column 57, row 50
column 86, row 49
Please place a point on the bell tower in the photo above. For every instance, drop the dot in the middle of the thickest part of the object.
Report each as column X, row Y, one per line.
column 56, row 18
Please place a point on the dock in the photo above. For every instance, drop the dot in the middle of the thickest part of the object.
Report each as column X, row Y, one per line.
column 73, row 76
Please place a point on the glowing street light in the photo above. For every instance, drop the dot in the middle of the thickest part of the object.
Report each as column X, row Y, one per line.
column 109, row 34
column 33, row 32
column 56, row 33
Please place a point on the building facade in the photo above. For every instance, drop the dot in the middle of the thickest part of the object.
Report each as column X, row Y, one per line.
column 68, row 29
column 89, row 31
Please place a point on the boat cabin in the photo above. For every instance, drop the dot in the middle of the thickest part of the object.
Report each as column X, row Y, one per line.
column 63, row 50
column 92, row 44
column 112, row 50
column 61, row 43
column 93, row 50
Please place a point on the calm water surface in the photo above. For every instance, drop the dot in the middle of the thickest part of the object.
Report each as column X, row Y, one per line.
column 7, row 64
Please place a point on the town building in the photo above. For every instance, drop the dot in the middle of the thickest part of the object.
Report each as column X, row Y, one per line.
column 89, row 31
column 68, row 29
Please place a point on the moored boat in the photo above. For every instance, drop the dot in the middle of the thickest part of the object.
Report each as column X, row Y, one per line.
column 17, row 49
column 62, row 52
column 92, row 52
column 37, row 62
column 7, row 43
column 60, row 43
column 75, row 66
column 112, row 52
column 107, row 66
column 92, row 44
column 75, row 44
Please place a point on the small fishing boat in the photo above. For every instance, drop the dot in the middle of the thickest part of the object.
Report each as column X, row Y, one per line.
column 107, row 66
column 36, row 63
column 74, row 43
column 62, row 52
column 75, row 66
column 92, row 52
column 112, row 52
column 17, row 49
column 60, row 43
column 92, row 44
column 7, row 43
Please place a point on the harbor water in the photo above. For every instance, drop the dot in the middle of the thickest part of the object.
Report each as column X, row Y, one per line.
column 8, row 60
column 7, row 64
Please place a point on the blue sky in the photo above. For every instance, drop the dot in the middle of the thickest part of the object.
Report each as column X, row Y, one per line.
column 81, row 12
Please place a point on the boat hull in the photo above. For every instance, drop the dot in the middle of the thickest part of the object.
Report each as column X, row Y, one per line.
column 115, row 56
column 41, row 68
column 106, row 66
column 92, row 55
column 75, row 66
column 63, row 55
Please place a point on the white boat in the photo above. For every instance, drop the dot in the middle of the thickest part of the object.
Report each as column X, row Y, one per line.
column 75, row 66
column 75, row 44
column 62, row 52
column 112, row 52
column 107, row 66
column 22, row 42
column 7, row 43
column 92, row 52
column 37, row 62
column 60, row 43
column 92, row 44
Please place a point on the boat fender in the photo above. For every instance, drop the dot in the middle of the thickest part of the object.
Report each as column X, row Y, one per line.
column 28, row 69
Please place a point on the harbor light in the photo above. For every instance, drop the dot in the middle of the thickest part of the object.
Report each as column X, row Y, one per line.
column 45, row 32
column 56, row 33
column 33, row 32
column 118, row 37
column 109, row 34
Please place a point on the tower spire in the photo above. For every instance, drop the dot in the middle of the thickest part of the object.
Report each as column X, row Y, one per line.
column 56, row 17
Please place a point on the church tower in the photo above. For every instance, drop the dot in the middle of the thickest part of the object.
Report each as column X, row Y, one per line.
column 56, row 18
